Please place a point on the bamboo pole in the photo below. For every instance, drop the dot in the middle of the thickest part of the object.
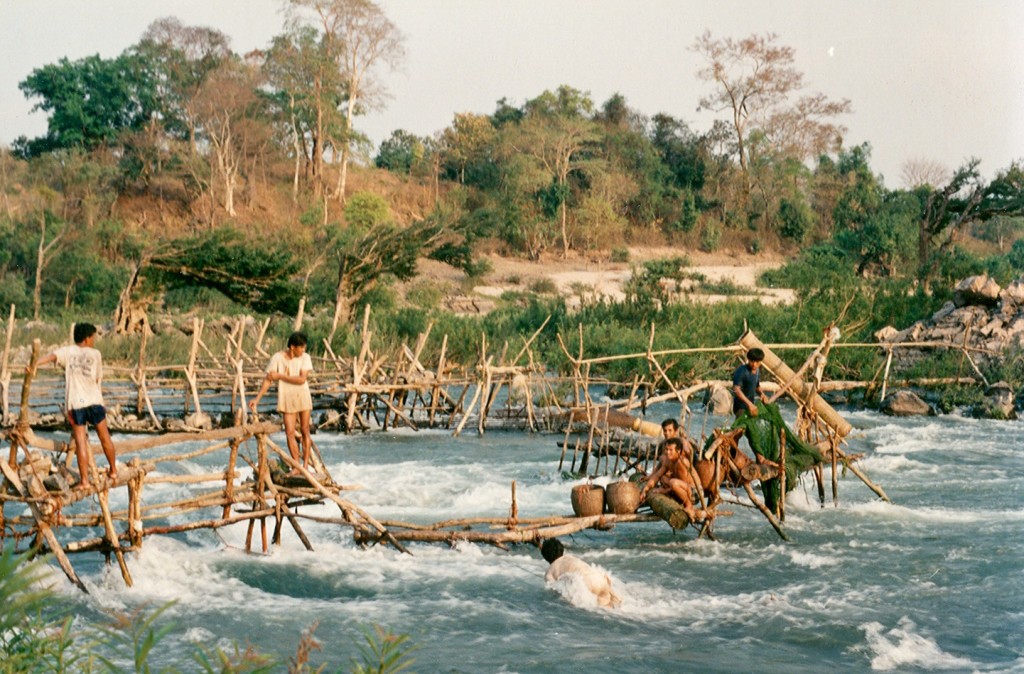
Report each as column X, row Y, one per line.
column 140, row 376
column 835, row 473
column 782, row 474
column 112, row 537
column 229, row 477
column 823, row 347
column 5, row 372
column 358, row 365
column 22, row 432
column 483, row 387
column 559, row 527
column 190, row 368
column 342, row 503
column 798, row 388
column 135, row 526
column 43, row 526
column 439, row 375
column 885, row 376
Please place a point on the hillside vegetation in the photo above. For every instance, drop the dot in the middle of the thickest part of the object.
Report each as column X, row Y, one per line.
column 182, row 177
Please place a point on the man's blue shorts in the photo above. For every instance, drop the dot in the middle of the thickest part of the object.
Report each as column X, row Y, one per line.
column 93, row 414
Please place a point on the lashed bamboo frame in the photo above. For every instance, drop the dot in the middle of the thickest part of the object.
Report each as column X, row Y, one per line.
column 390, row 391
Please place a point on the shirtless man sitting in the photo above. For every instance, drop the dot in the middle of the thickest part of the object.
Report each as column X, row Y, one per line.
column 673, row 476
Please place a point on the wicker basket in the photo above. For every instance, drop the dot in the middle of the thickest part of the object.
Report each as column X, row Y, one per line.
column 587, row 500
column 623, row 497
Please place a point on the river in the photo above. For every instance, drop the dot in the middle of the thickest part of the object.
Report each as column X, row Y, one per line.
column 933, row 581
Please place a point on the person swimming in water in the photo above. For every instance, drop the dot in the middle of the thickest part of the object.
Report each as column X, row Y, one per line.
column 597, row 581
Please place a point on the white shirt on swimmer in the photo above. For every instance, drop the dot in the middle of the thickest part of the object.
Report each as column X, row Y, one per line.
column 597, row 581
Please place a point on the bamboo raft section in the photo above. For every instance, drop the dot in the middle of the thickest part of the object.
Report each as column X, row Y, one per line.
column 371, row 391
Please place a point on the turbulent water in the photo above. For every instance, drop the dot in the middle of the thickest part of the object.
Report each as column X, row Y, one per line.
column 933, row 581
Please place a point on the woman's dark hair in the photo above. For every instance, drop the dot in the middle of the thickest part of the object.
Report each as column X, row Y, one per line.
column 297, row 339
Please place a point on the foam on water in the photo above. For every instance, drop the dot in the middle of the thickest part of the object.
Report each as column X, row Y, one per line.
column 865, row 585
column 902, row 647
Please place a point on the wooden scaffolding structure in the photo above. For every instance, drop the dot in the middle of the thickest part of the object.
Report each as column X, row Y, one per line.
column 378, row 391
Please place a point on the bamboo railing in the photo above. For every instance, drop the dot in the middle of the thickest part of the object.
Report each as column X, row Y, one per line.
column 203, row 400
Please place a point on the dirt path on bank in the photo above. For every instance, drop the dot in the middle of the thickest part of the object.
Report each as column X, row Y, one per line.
column 594, row 278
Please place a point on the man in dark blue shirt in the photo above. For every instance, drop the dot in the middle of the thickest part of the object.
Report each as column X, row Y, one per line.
column 746, row 384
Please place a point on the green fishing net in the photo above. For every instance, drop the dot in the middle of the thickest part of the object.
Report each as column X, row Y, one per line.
column 764, row 433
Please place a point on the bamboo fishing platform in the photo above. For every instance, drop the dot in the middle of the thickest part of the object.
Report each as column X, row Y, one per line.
column 173, row 405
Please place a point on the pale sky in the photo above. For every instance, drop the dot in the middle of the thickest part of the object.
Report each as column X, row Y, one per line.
column 941, row 80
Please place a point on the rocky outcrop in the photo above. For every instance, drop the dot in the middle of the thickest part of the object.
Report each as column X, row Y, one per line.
column 982, row 315
column 905, row 404
column 976, row 290
column 998, row 403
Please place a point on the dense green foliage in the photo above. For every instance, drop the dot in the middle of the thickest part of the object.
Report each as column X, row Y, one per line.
column 91, row 101
column 178, row 125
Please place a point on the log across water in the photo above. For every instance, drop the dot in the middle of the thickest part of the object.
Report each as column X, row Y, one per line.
column 668, row 509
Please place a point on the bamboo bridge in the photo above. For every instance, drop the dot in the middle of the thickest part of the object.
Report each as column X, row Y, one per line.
column 369, row 391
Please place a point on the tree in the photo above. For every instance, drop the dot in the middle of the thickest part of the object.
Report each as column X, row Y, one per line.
column 468, row 147
column 255, row 273
column 965, row 199
column 306, row 92
column 872, row 226
column 89, row 102
column 225, row 110
column 357, row 37
column 637, row 184
column 920, row 172
column 11, row 172
column 370, row 246
column 44, row 255
column 680, row 150
column 554, row 133
column 755, row 79
column 400, row 152
column 1001, row 230
column 181, row 58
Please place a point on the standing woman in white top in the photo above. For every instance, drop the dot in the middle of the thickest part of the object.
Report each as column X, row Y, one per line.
column 290, row 368
column 83, row 373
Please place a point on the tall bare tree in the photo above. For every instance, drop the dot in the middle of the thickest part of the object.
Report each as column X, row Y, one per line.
column 358, row 36
column 918, row 172
column 184, row 57
column 44, row 255
column 224, row 110
column 756, row 82
column 306, row 95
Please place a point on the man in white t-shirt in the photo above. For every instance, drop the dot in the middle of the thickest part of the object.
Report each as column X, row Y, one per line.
column 597, row 581
column 290, row 368
column 83, row 373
